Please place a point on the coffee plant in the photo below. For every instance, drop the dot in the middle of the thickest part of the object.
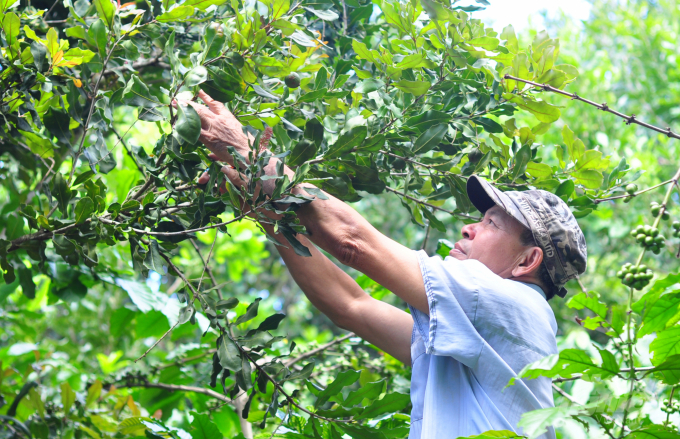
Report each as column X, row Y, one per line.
column 359, row 98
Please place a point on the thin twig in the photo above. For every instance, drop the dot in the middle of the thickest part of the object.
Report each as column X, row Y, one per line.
column 127, row 149
column 205, row 264
column 571, row 399
column 599, row 200
column 181, row 388
column 450, row 212
column 86, row 127
column 604, row 107
column 158, row 341
column 187, row 360
column 283, row 392
column 183, row 232
column 321, row 348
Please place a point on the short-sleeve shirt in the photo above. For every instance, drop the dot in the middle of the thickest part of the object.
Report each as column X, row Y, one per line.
column 481, row 331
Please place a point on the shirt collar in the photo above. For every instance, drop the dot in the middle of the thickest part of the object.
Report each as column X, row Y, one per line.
column 535, row 288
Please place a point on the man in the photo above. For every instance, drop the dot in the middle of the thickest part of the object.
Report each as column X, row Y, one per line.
column 477, row 317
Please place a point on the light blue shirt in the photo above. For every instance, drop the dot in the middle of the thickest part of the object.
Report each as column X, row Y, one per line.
column 481, row 331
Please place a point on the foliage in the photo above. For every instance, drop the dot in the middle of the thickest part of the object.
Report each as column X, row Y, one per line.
column 409, row 101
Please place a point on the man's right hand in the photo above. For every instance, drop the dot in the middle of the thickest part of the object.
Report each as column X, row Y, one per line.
column 219, row 128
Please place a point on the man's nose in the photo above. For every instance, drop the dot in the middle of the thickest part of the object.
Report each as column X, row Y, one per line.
column 469, row 231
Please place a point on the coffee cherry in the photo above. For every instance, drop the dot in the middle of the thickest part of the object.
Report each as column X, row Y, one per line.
column 650, row 237
column 635, row 277
column 292, row 80
column 474, row 156
column 631, row 188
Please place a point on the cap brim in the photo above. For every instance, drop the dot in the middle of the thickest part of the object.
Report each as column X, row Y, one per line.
column 484, row 196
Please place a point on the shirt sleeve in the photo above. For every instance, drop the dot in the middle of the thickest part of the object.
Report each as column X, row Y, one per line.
column 452, row 296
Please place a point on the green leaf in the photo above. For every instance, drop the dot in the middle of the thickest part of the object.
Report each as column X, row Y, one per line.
column 411, row 62
column 301, row 374
column 433, row 220
column 314, row 131
column 569, row 362
column 668, row 371
column 153, row 259
column 666, row 344
column 271, row 322
column 347, row 141
column 392, row 402
column 539, row 170
column 195, row 76
column 251, row 313
column 229, row 354
column 437, row 11
column 203, row 427
column 430, row 139
column 188, row 126
column 26, row 281
column 176, row 14
column 582, row 300
column 356, row 431
column 425, row 120
column 536, row 422
column 542, row 110
column 509, row 35
column 369, row 85
column 93, row 393
column 202, row 5
column 61, row 193
column 661, row 313
column 486, row 43
column 416, row 88
column 342, row 380
column 522, row 159
column 83, row 209
column 653, row 432
column 11, row 25
column 57, row 122
column 589, row 178
column 106, row 11
column 313, row 95
column 368, row 391
column 362, row 51
column 326, row 15
column 444, row 247
column 136, row 94
column 68, row 396
column 76, row 32
column 227, row 303
column 99, row 35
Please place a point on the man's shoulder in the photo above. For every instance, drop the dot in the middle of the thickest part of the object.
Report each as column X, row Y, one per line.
column 496, row 305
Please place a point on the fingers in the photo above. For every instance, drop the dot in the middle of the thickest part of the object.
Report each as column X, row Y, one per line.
column 207, row 116
column 215, row 106
column 233, row 176
column 203, row 179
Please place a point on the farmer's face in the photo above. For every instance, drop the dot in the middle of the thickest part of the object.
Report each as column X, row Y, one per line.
column 495, row 241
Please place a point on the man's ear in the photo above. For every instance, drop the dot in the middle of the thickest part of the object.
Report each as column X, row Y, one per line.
column 529, row 263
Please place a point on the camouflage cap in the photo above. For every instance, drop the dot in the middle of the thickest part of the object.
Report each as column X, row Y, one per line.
column 553, row 225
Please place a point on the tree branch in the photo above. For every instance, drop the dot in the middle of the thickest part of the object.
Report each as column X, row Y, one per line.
column 181, row 388
column 321, row 348
column 450, row 212
column 604, row 107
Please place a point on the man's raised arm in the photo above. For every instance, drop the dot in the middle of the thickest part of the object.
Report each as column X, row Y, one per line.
column 332, row 225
